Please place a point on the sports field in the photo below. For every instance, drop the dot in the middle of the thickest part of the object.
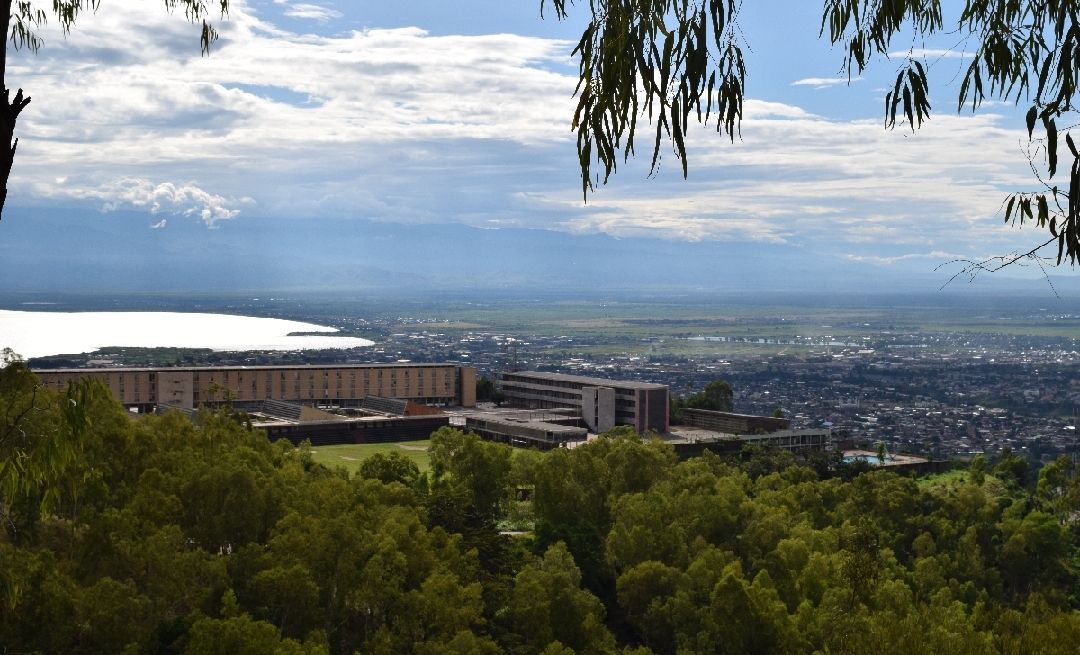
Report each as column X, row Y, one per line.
column 351, row 455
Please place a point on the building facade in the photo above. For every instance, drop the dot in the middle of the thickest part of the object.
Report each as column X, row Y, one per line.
column 343, row 385
column 602, row 403
column 732, row 423
column 524, row 433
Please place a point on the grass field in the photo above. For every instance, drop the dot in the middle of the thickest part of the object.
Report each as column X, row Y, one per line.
column 351, row 455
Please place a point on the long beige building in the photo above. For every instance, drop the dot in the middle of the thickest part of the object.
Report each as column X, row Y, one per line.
column 343, row 385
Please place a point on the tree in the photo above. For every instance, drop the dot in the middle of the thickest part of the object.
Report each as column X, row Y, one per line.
column 22, row 17
column 860, row 562
column 668, row 62
column 548, row 605
column 484, row 388
column 1012, row 467
column 978, row 470
column 479, row 468
column 717, row 397
column 41, row 434
column 390, row 467
column 227, row 394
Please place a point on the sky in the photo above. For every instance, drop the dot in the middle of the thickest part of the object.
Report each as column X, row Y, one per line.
column 458, row 114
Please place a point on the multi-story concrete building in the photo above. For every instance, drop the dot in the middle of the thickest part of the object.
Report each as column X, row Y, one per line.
column 603, row 403
column 731, row 423
column 523, row 433
column 343, row 385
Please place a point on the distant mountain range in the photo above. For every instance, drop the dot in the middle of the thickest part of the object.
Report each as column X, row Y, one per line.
column 56, row 250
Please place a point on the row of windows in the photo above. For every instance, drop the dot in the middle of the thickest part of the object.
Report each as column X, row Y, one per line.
column 224, row 375
column 547, row 383
column 427, row 385
column 547, row 393
column 352, row 385
column 325, row 394
column 121, row 378
column 630, row 393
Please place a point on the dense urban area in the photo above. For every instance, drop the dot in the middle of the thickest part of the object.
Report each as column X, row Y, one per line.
column 205, row 536
column 923, row 391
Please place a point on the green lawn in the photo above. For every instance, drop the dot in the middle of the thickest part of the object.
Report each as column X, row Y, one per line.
column 351, row 455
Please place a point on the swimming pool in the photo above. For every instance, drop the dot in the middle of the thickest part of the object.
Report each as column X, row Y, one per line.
column 873, row 459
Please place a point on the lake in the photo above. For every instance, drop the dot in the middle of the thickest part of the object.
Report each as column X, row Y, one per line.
column 40, row 334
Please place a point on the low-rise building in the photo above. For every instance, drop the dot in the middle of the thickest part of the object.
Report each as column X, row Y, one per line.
column 339, row 385
column 603, row 403
column 732, row 423
column 523, row 432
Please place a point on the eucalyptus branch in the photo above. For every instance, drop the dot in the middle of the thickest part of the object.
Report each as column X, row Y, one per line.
column 972, row 268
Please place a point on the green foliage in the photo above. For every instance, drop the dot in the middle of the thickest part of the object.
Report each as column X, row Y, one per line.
column 25, row 18
column 484, row 388
column 390, row 467
column 717, row 396
column 978, row 470
column 466, row 463
column 168, row 536
column 1012, row 468
column 548, row 607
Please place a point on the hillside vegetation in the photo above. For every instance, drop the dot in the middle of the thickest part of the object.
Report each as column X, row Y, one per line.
column 161, row 535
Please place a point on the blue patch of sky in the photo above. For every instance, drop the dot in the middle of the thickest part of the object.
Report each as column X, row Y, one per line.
column 278, row 94
column 438, row 17
column 781, row 45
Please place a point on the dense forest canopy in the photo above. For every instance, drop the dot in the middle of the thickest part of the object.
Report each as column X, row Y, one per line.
column 166, row 535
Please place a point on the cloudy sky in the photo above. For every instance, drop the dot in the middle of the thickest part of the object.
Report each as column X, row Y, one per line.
column 432, row 111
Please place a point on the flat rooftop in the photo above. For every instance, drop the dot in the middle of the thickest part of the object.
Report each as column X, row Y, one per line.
column 261, row 420
column 587, row 381
column 497, row 419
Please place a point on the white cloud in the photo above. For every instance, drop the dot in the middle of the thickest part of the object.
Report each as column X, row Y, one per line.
column 186, row 199
column 835, row 185
column 937, row 255
column 476, row 129
column 158, row 225
column 824, row 82
column 314, row 12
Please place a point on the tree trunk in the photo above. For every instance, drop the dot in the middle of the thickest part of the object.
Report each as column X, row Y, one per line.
column 9, row 109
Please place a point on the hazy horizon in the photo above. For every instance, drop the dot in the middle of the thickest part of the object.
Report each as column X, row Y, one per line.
column 335, row 146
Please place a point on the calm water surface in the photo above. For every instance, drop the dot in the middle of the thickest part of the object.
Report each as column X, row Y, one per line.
column 39, row 334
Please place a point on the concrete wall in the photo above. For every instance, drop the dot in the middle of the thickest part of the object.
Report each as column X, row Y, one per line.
column 598, row 408
column 174, row 389
column 467, row 384
column 656, row 406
